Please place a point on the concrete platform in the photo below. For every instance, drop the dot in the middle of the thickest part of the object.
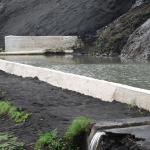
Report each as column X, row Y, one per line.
column 121, row 123
column 38, row 43
column 23, row 53
column 37, row 52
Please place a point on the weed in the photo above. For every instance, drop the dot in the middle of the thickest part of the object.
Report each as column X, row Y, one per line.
column 15, row 113
column 50, row 140
column 77, row 126
column 9, row 142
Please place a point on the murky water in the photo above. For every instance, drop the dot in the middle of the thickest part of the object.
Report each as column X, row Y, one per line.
column 110, row 69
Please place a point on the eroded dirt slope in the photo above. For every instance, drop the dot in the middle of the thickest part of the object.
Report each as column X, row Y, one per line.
column 58, row 17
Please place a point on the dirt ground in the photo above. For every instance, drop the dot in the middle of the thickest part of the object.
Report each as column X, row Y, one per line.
column 53, row 107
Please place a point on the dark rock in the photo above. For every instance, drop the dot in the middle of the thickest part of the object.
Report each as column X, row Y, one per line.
column 138, row 45
column 139, row 2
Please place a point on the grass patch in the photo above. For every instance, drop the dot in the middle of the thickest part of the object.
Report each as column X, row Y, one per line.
column 49, row 140
column 72, row 140
column 13, row 112
column 9, row 142
column 77, row 126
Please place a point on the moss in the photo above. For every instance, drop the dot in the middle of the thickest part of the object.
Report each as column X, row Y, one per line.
column 114, row 37
column 13, row 112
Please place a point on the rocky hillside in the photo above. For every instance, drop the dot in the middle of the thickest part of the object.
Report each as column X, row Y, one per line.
column 107, row 27
column 138, row 44
column 113, row 37
column 58, row 17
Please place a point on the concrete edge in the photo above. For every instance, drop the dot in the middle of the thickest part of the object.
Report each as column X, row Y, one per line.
column 38, row 43
column 122, row 123
column 104, row 90
column 38, row 52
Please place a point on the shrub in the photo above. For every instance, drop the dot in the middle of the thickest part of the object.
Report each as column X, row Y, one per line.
column 50, row 140
column 77, row 126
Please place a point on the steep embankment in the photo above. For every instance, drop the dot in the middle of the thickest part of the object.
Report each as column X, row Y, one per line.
column 138, row 45
column 113, row 37
column 58, row 17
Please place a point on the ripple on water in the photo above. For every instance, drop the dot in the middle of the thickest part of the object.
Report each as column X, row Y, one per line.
column 133, row 74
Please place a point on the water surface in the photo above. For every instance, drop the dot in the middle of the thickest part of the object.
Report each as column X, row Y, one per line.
column 110, row 69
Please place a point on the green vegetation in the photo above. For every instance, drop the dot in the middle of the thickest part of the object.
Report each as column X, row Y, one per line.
column 49, row 140
column 9, row 142
column 77, row 126
column 13, row 112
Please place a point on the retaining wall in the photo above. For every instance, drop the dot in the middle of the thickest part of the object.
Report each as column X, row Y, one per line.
column 36, row 43
column 104, row 90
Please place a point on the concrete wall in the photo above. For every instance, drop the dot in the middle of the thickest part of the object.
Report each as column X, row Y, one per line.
column 101, row 89
column 35, row 43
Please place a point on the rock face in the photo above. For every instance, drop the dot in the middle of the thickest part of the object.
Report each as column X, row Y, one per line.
column 138, row 45
column 58, row 17
column 139, row 2
column 113, row 37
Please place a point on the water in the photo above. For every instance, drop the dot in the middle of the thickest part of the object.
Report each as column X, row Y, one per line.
column 95, row 140
column 110, row 69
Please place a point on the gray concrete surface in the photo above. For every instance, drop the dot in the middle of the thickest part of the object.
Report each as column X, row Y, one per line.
column 139, row 132
column 41, row 43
